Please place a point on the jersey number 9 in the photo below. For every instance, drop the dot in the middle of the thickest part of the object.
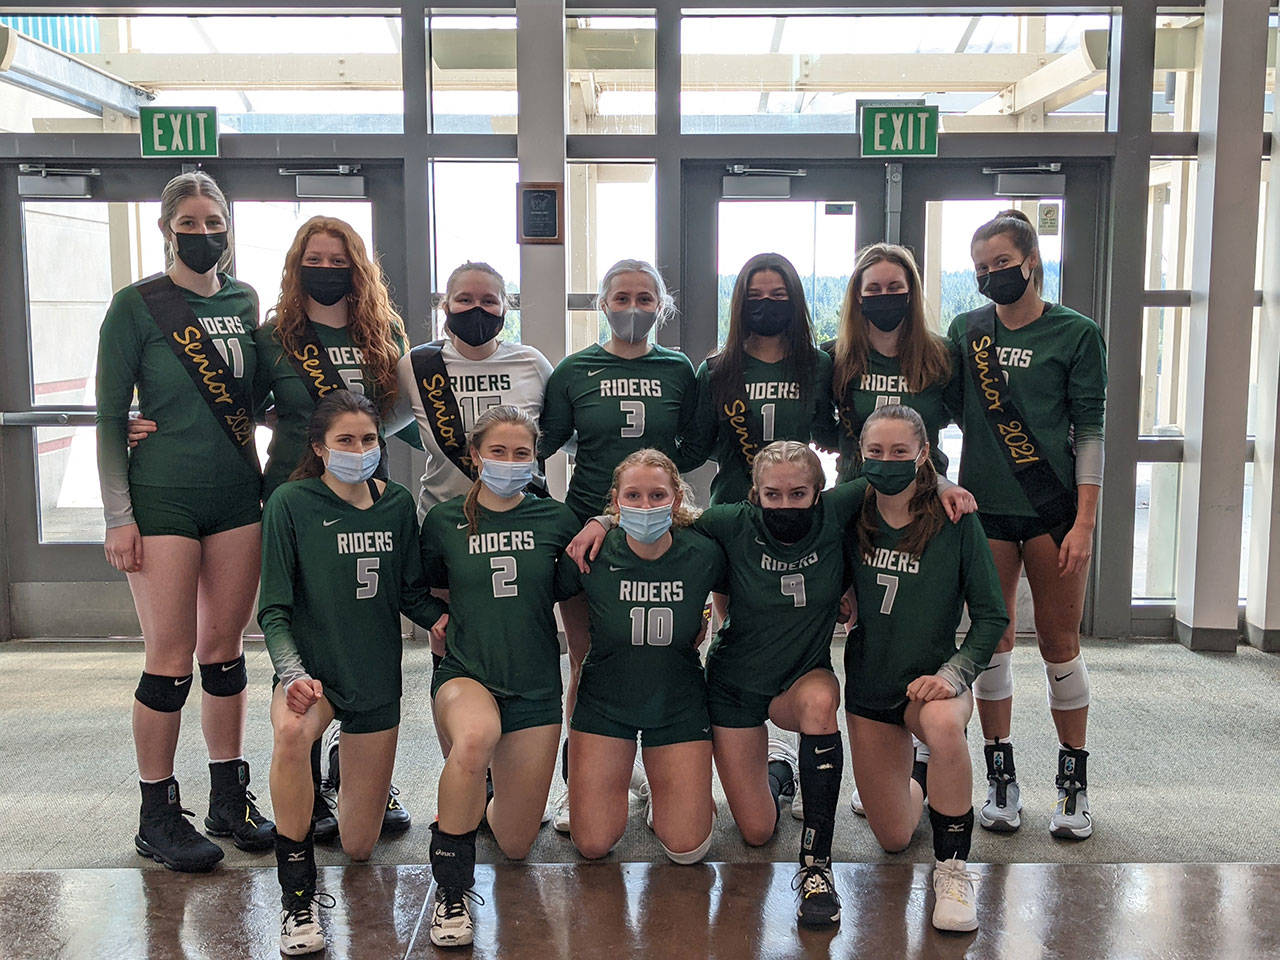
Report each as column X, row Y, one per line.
column 793, row 587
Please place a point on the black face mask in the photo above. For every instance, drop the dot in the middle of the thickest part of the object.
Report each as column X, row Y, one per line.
column 887, row 310
column 1004, row 286
column 767, row 318
column 788, row 524
column 474, row 326
column 200, row 251
column 326, row 285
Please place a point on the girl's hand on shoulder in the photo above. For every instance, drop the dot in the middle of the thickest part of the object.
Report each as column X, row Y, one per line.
column 303, row 693
column 586, row 545
column 437, row 635
column 929, row 687
column 957, row 501
column 1076, row 549
column 139, row 429
column 123, row 548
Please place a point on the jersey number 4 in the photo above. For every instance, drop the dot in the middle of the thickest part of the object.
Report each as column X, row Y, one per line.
column 653, row 627
column 504, row 577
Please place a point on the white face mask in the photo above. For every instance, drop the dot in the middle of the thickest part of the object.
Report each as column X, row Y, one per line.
column 505, row 478
column 351, row 467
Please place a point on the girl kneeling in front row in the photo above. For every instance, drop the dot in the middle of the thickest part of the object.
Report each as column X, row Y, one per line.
column 905, row 676
column 642, row 674
column 340, row 563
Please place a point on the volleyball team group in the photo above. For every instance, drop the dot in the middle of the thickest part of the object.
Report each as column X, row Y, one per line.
column 336, row 553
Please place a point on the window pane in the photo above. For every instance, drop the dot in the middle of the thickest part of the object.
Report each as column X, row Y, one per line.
column 110, row 246
column 610, row 74
column 67, row 481
column 819, row 238
column 1165, row 331
column 611, row 212
column 475, row 219
column 292, row 74
column 1155, row 530
column 805, row 74
column 265, row 231
column 473, row 75
column 1170, row 224
column 1180, row 70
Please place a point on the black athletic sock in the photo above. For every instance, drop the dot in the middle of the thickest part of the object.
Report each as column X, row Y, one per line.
column 920, row 774
column 295, row 869
column 315, row 765
column 564, row 761
column 951, row 835
column 782, row 782
column 453, row 858
column 821, row 764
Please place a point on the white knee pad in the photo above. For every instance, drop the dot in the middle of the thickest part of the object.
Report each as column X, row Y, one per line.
column 695, row 855
column 1068, row 684
column 995, row 682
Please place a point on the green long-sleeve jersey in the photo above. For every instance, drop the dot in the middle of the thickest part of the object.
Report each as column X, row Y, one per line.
column 777, row 407
column 294, row 405
column 783, row 598
column 617, row 406
column 335, row 579
column 643, row 668
column 189, row 447
column 502, row 587
column 1057, row 372
column 880, row 384
column 910, row 607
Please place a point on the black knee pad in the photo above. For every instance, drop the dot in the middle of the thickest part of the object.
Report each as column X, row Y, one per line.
column 224, row 679
column 162, row 694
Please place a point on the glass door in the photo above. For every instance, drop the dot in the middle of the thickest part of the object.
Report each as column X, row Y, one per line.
column 87, row 231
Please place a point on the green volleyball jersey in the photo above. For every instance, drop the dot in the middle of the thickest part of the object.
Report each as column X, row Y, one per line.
column 294, row 405
column 617, row 406
column 502, row 586
column 189, row 447
column 335, row 579
column 1057, row 372
column 910, row 607
column 881, row 384
column 643, row 668
column 775, row 407
column 783, row 598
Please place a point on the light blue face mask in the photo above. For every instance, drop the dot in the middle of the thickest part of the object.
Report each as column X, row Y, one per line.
column 505, row 478
column 350, row 467
column 645, row 524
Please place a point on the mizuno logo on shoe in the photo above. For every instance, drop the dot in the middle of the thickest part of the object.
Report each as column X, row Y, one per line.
column 297, row 858
column 1063, row 677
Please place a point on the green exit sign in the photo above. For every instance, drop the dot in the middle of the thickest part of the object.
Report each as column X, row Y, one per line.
column 179, row 131
column 892, row 130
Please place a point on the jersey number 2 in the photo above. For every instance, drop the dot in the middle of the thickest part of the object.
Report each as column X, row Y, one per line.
column 504, row 577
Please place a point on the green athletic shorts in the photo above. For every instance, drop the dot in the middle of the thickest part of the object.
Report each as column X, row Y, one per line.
column 731, row 706
column 374, row 720
column 1016, row 529
column 517, row 713
column 195, row 512
column 893, row 715
column 691, row 725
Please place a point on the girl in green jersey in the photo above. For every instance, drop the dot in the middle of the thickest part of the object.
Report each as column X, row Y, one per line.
column 903, row 674
column 340, row 563
column 497, row 690
column 183, row 514
column 642, row 675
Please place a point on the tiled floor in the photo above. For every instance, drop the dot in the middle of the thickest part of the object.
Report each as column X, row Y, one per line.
column 623, row 911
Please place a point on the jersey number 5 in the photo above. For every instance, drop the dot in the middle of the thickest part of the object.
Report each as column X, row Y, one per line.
column 366, row 577
column 793, row 587
column 655, row 629
column 504, row 577
column 890, row 584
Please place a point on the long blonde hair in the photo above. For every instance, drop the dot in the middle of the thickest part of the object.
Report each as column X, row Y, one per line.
column 375, row 327
column 927, row 512
column 504, row 413
column 922, row 354
column 787, row 451
column 648, row 457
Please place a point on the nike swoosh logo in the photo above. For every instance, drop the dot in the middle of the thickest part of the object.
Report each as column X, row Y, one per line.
column 823, row 750
column 181, row 680
column 592, row 373
column 329, row 523
column 1063, row 677
column 761, row 542
column 228, row 666
column 463, row 526
column 613, row 569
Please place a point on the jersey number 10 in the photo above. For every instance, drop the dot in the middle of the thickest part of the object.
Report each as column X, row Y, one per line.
column 653, row 627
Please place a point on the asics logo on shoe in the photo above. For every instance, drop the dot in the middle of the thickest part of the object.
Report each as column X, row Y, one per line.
column 1063, row 677
column 443, row 853
column 329, row 523
column 179, row 681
